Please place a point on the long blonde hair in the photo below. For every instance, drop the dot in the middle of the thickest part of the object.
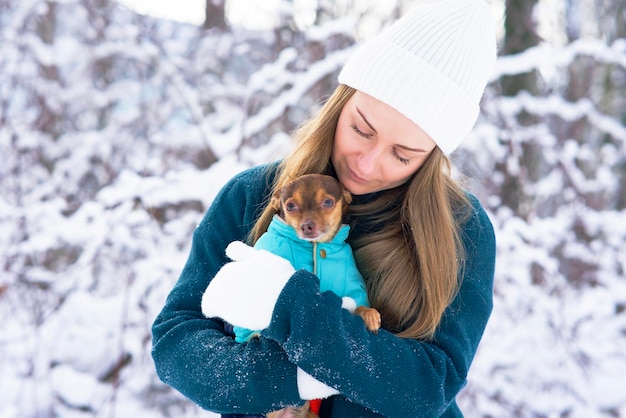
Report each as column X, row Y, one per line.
column 411, row 262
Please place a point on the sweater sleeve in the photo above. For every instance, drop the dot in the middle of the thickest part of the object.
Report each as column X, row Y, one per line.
column 192, row 353
column 386, row 374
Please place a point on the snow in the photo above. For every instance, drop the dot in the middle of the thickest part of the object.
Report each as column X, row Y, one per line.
column 97, row 207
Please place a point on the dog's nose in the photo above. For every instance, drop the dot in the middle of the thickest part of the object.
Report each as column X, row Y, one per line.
column 307, row 228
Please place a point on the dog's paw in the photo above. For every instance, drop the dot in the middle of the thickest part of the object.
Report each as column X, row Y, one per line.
column 371, row 317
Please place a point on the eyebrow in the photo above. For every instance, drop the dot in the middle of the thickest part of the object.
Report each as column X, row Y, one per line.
column 404, row 147
column 366, row 121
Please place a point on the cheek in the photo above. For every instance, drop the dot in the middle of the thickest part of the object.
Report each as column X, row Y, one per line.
column 342, row 146
column 338, row 145
column 403, row 179
column 400, row 176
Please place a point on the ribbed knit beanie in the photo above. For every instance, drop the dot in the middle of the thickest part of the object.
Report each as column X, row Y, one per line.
column 432, row 66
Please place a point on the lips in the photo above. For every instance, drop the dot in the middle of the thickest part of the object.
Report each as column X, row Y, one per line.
column 355, row 177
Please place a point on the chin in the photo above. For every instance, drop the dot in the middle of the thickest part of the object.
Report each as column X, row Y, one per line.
column 358, row 190
column 361, row 189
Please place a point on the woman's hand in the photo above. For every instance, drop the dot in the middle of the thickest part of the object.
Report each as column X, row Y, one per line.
column 244, row 291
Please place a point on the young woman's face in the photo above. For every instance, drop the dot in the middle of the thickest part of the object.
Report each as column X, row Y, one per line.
column 376, row 147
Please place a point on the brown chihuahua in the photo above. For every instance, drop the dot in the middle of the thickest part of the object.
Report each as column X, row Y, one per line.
column 315, row 205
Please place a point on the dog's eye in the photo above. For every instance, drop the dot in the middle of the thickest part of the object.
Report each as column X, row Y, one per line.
column 328, row 203
column 291, row 207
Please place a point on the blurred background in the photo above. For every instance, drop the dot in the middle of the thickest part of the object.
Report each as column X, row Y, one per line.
column 120, row 122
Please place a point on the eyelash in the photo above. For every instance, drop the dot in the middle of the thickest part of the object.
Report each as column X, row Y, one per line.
column 404, row 161
column 359, row 132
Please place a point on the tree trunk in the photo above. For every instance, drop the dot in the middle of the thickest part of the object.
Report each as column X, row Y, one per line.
column 48, row 119
column 215, row 15
column 520, row 33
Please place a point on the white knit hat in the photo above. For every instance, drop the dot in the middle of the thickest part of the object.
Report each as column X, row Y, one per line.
column 432, row 66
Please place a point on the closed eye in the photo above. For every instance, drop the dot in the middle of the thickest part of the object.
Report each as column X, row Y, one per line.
column 403, row 160
column 360, row 132
column 394, row 151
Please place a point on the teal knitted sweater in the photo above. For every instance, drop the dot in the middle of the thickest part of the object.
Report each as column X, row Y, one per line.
column 376, row 374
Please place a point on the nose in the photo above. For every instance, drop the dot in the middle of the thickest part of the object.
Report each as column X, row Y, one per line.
column 307, row 228
column 368, row 160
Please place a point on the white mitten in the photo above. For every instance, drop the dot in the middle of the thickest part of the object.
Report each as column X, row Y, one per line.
column 311, row 388
column 244, row 291
column 348, row 303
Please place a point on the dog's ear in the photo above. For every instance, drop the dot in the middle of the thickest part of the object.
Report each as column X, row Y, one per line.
column 347, row 196
column 275, row 202
column 347, row 199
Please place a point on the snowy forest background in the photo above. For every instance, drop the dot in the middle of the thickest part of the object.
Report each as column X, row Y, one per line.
column 117, row 130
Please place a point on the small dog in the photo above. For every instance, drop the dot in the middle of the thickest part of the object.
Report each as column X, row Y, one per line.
column 314, row 205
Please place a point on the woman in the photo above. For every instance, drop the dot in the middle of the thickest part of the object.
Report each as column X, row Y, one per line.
column 425, row 247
